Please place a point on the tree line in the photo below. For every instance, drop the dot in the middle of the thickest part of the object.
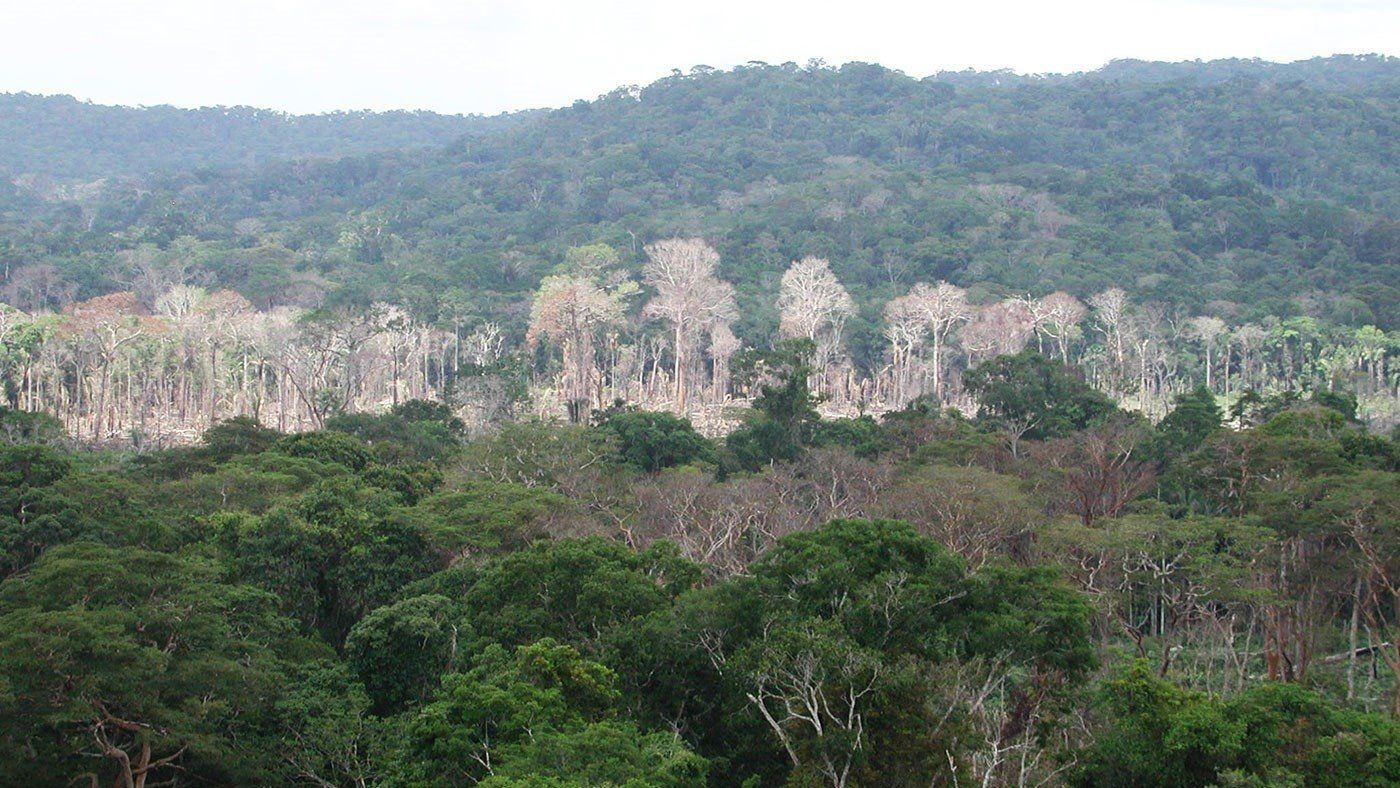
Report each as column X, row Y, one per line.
column 168, row 364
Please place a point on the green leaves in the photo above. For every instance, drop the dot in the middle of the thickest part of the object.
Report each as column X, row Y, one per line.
column 331, row 557
column 1270, row 734
column 650, row 441
column 821, row 655
column 1041, row 395
column 128, row 648
column 542, row 713
column 574, row 590
column 400, row 650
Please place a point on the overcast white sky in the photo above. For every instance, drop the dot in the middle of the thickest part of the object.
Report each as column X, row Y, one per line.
column 481, row 56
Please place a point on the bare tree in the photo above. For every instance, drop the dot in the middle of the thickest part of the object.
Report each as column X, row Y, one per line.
column 1058, row 316
column 813, row 304
column 998, row 329
column 944, row 306
column 723, row 346
column 688, row 296
column 1208, row 331
column 1110, row 307
column 151, row 272
column 906, row 326
column 38, row 288
column 102, row 326
column 399, row 334
column 484, row 345
column 1100, row 470
column 1368, row 511
column 1249, row 338
column 571, row 311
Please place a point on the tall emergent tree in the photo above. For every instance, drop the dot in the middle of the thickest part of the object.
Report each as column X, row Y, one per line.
column 688, row 296
column 570, row 310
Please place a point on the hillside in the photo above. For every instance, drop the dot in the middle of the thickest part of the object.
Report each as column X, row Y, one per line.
column 1240, row 191
column 61, row 138
column 1261, row 189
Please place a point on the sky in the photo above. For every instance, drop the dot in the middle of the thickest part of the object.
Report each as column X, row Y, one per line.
column 472, row 56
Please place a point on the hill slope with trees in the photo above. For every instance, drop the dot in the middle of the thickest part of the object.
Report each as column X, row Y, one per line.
column 1152, row 221
column 61, row 138
column 1241, row 183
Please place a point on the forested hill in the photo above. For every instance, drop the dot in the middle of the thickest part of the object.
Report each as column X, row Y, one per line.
column 66, row 139
column 1241, row 188
column 1339, row 72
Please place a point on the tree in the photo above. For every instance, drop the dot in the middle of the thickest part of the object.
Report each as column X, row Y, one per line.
column 1159, row 734
column 822, row 649
column 815, row 689
column 998, row 329
column 500, row 701
column 400, row 650
column 130, row 667
column 1367, row 507
column 652, row 441
column 573, row 590
column 1099, row 470
column 1208, row 331
column 1110, row 310
column 237, row 436
column 571, row 310
column 688, row 296
column 1058, row 316
column 784, row 417
column 480, row 518
column 1043, row 394
column 977, row 514
column 101, row 327
column 905, row 328
column 543, row 712
column 331, row 556
column 1193, row 419
column 943, row 307
column 723, row 346
column 813, row 304
column 327, row 734
column 608, row 752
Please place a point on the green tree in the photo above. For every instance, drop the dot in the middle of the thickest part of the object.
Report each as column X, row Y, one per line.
column 652, row 441
column 1195, row 416
column 1040, row 396
column 1158, row 734
column 543, row 711
column 135, row 667
column 331, row 557
column 400, row 650
column 486, row 518
column 573, row 590
column 785, row 415
column 858, row 618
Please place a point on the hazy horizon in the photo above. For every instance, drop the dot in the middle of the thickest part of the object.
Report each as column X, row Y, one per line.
column 662, row 76
column 313, row 56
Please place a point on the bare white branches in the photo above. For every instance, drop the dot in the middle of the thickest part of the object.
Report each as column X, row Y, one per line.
column 689, row 296
column 813, row 304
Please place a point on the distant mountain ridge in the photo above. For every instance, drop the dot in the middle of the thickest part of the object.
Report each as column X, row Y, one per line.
column 1336, row 72
column 64, row 138
column 61, row 137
